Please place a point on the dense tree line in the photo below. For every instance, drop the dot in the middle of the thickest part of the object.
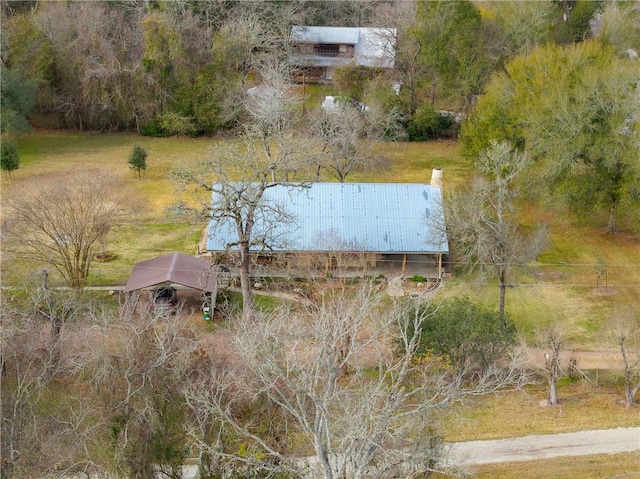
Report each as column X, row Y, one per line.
column 178, row 67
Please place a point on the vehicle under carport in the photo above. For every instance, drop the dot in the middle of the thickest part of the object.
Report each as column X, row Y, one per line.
column 173, row 270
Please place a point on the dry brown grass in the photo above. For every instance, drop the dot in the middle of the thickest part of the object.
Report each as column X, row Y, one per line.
column 582, row 406
column 613, row 466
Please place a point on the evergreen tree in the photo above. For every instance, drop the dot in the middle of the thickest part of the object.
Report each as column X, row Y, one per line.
column 18, row 98
column 466, row 335
column 138, row 160
column 9, row 159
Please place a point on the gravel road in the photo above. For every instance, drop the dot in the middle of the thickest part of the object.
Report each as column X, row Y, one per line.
column 531, row 448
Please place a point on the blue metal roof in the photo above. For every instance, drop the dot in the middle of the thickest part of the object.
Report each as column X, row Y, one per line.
column 371, row 217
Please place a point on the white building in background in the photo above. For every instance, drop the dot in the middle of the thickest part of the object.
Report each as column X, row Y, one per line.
column 319, row 50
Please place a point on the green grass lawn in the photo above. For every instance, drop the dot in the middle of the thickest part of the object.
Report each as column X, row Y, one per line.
column 560, row 288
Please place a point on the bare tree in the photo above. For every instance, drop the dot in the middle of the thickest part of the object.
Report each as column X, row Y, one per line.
column 135, row 382
column 57, row 308
column 25, row 373
column 552, row 341
column 241, row 46
column 401, row 15
column 46, row 429
column 110, row 405
column 483, row 225
column 626, row 334
column 347, row 133
column 331, row 369
column 61, row 219
column 99, row 84
column 271, row 154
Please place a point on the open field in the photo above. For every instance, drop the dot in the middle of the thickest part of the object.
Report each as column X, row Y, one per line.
column 561, row 288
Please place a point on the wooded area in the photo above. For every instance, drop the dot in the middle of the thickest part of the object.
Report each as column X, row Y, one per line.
column 179, row 67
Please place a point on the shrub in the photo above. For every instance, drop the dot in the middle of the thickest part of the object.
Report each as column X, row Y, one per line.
column 429, row 124
column 176, row 124
column 169, row 124
column 352, row 80
column 464, row 334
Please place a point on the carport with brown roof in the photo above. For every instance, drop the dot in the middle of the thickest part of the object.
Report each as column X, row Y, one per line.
column 175, row 268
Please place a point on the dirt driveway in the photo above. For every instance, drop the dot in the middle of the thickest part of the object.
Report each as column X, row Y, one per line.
column 609, row 359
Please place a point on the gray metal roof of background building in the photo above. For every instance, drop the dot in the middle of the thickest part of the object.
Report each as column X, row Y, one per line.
column 372, row 217
column 319, row 35
column 374, row 47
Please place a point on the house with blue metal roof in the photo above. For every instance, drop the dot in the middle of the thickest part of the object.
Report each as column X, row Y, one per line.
column 343, row 228
column 318, row 50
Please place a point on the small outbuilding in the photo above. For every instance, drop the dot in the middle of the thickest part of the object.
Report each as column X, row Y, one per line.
column 177, row 269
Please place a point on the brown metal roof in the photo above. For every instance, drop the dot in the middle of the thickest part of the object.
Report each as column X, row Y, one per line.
column 175, row 268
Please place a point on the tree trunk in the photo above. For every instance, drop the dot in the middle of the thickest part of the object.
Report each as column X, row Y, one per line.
column 327, row 473
column 413, row 97
column 553, row 368
column 503, row 294
column 553, row 390
column 245, row 280
column 613, row 218
column 320, row 446
column 634, row 393
column 629, row 393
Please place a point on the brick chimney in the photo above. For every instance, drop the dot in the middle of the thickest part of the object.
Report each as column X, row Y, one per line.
column 436, row 178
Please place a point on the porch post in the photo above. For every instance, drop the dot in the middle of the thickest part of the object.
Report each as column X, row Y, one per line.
column 439, row 265
column 404, row 263
column 213, row 300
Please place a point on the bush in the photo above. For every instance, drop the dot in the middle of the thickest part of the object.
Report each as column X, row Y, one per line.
column 352, row 80
column 169, row 124
column 464, row 334
column 429, row 124
column 154, row 129
column 176, row 124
